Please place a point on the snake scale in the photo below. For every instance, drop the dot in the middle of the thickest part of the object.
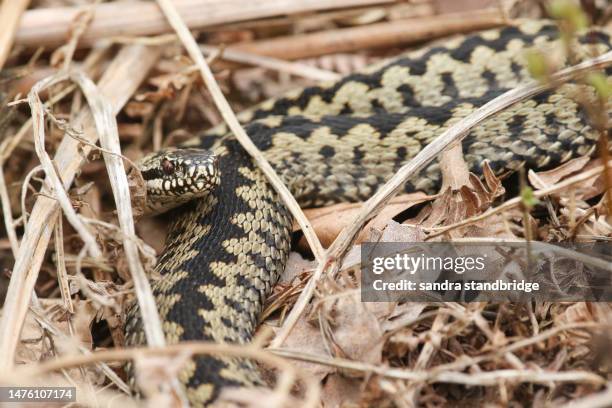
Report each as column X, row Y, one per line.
column 339, row 142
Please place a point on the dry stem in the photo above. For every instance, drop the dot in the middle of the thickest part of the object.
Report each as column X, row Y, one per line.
column 51, row 27
column 385, row 34
column 10, row 14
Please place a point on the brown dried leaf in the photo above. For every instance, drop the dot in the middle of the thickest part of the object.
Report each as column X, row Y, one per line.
column 584, row 190
column 543, row 179
column 306, row 338
column 578, row 312
column 465, row 201
column 396, row 232
column 339, row 391
column 329, row 221
column 351, row 318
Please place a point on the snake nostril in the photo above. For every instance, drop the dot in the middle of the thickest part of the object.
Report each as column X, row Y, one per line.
column 167, row 166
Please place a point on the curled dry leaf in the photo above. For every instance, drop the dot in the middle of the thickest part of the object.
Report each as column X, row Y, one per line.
column 463, row 195
column 468, row 200
column 577, row 312
column 585, row 190
column 543, row 179
column 356, row 332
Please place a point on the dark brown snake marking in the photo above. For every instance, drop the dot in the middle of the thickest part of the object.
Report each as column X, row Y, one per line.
column 340, row 142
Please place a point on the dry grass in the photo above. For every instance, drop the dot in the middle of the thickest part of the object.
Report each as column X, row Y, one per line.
column 64, row 303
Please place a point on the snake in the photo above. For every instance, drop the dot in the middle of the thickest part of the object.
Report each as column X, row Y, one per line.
column 230, row 234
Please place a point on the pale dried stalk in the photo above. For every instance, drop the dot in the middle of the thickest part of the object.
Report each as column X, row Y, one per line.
column 7, row 214
column 377, row 202
column 50, row 27
column 280, row 65
column 424, row 376
column 10, row 14
column 53, row 184
column 106, row 125
column 386, row 34
column 311, row 390
column 62, row 274
column 118, row 83
column 541, row 246
column 230, row 118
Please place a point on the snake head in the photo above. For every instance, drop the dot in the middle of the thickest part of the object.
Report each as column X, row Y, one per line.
column 174, row 176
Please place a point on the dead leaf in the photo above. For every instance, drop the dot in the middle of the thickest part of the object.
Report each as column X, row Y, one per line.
column 358, row 333
column 306, row 338
column 543, row 179
column 329, row 221
column 340, row 391
column 584, row 190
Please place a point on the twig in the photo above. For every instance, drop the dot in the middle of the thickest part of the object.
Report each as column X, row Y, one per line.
column 51, row 26
column 7, row 214
column 385, row 34
column 40, row 317
column 280, row 65
column 376, row 203
column 424, row 376
column 230, row 118
column 118, row 84
column 60, row 261
column 543, row 246
column 10, row 14
column 464, row 363
column 191, row 347
column 239, row 57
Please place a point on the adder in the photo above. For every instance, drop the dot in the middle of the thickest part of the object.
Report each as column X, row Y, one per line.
column 330, row 143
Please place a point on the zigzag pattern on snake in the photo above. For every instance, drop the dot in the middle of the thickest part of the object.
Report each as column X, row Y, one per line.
column 339, row 142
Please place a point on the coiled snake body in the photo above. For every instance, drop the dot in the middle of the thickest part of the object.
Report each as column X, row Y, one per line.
column 340, row 142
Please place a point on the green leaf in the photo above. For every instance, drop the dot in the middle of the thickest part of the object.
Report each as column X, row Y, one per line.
column 570, row 12
column 600, row 82
column 528, row 199
column 537, row 65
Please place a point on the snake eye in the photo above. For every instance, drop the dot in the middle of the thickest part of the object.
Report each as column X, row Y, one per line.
column 167, row 166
